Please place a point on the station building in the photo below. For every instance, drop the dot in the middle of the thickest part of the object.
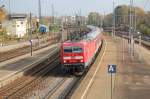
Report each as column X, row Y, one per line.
column 17, row 25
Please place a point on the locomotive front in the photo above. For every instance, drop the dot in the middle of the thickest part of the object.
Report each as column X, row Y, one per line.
column 72, row 57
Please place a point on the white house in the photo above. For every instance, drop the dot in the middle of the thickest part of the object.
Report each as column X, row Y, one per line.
column 17, row 25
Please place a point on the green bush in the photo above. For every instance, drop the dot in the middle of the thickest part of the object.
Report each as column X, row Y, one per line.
column 144, row 29
column 54, row 28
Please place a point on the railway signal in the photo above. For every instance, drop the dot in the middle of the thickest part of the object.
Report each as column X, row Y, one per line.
column 30, row 33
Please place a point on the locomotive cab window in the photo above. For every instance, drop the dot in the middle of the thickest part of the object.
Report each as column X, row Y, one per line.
column 77, row 49
column 72, row 50
column 67, row 49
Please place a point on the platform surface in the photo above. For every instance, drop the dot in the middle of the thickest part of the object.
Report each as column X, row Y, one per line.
column 18, row 45
column 14, row 65
column 132, row 80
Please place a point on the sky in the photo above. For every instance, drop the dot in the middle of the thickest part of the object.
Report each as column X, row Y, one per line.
column 69, row 7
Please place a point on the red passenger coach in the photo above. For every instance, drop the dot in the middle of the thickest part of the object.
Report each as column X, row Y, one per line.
column 76, row 56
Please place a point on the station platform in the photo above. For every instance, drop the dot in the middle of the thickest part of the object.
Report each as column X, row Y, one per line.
column 97, row 84
column 131, row 81
column 18, row 64
column 13, row 46
column 18, row 45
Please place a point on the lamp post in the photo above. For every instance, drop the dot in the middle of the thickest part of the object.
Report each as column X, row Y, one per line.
column 140, row 37
column 131, row 29
column 30, row 32
column 62, row 29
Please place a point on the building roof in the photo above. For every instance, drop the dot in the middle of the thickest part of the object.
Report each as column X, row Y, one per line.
column 16, row 16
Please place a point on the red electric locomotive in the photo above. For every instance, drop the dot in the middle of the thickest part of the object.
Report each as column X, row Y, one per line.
column 76, row 56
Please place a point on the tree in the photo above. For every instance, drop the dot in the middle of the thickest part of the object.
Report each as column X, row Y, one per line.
column 122, row 17
column 94, row 18
column 2, row 14
column 122, row 13
column 140, row 14
column 108, row 20
column 147, row 19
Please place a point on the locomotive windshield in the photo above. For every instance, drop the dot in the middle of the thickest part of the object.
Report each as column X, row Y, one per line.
column 68, row 49
column 72, row 49
column 76, row 49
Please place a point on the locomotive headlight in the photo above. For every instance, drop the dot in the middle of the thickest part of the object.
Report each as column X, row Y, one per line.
column 78, row 57
column 64, row 61
column 81, row 60
column 67, row 57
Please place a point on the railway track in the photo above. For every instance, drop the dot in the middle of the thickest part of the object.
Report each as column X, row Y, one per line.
column 46, row 81
column 32, row 85
column 42, row 82
column 144, row 43
column 50, row 83
column 63, row 88
column 67, row 86
column 31, row 76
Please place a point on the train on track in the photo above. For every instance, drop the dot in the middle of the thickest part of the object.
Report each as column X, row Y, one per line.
column 76, row 56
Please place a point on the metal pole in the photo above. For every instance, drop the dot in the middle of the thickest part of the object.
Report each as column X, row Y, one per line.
column 140, row 39
column 114, row 23
column 62, row 36
column 132, row 39
column 3, row 39
column 9, row 8
column 30, row 30
column 111, row 88
column 39, row 5
column 134, row 27
column 53, row 17
column 102, row 21
column 123, row 48
column 135, row 20
column 131, row 28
